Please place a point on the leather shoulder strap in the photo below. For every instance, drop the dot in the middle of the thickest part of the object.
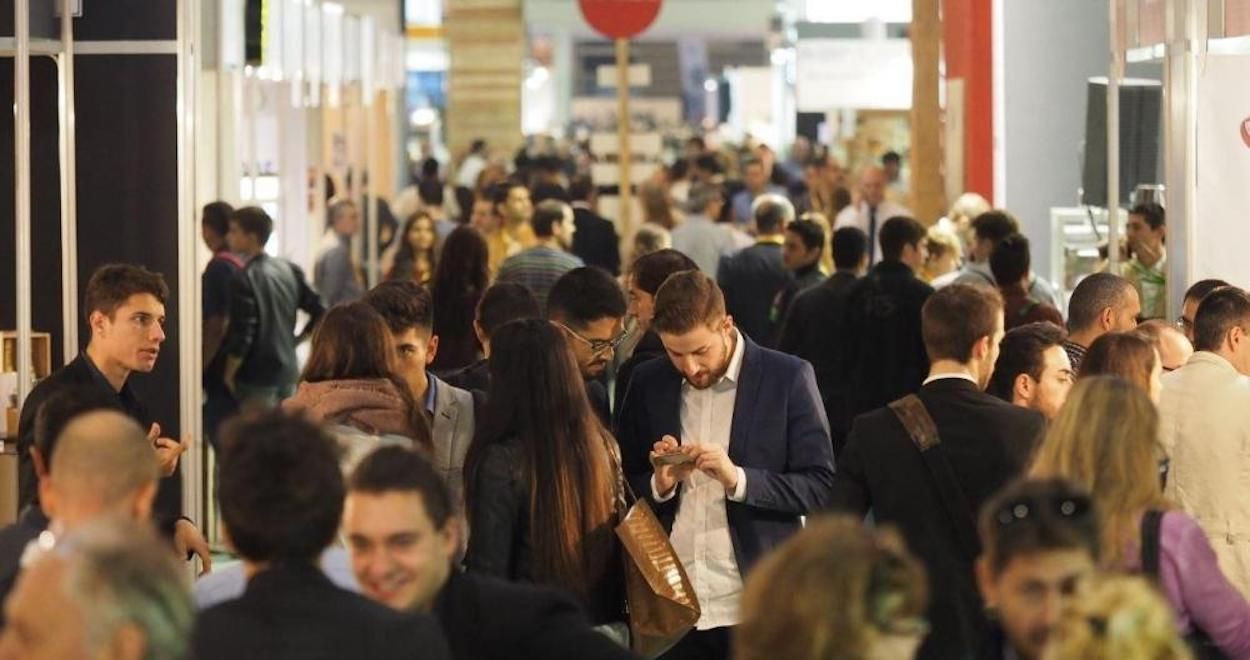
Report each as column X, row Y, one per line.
column 911, row 412
column 1151, row 524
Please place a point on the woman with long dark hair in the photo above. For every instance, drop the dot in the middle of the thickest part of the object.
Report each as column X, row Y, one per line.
column 541, row 478
column 461, row 278
column 350, row 385
column 417, row 255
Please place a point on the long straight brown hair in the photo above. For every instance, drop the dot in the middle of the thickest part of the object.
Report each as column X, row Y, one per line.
column 537, row 395
column 352, row 342
column 1106, row 440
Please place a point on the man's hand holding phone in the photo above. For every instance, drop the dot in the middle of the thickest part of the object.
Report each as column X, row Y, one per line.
column 672, row 464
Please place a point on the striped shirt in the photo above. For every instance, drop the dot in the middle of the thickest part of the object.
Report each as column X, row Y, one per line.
column 537, row 268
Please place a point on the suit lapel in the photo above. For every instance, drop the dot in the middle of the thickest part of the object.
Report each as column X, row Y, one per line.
column 670, row 405
column 749, row 379
column 446, row 416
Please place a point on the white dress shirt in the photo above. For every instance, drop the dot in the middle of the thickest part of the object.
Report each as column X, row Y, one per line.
column 857, row 215
column 700, row 533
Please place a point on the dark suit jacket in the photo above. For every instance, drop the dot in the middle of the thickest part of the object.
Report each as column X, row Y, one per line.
column 539, row 623
column 475, row 377
column 779, row 437
column 294, row 611
column 595, row 241
column 884, row 345
column 813, row 330
column 80, row 373
column 751, row 280
column 648, row 348
column 987, row 442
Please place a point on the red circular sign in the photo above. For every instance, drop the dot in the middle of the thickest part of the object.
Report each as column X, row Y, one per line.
column 1245, row 131
column 620, row 19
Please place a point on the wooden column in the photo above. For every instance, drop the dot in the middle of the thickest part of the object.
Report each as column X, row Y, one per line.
column 486, row 43
column 928, row 197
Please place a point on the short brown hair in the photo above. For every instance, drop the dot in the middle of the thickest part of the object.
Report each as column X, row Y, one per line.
column 111, row 285
column 686, row 300
column 1217, row 314
column 1129, row 355
column 955, row 317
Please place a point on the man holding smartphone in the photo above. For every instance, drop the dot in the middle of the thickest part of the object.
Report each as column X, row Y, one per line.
column 729, row 441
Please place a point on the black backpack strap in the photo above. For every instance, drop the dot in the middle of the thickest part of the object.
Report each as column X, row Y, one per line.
column 911, row 411
column 1151, row 524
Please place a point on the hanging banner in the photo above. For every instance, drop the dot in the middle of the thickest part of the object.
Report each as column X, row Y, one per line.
column 1223, row 163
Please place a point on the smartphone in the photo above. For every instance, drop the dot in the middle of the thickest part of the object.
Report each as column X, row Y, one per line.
column 673, row 458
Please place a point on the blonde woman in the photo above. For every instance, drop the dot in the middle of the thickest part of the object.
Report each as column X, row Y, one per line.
column 834, row 591
column 945, row 254
column 1106, row 439
column 1117, row 617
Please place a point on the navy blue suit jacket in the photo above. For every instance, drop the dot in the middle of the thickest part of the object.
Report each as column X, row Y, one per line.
column 779, row 436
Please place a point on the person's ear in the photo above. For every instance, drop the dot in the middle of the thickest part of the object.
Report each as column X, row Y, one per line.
column 981, row 349
column 985, row 582
column 41, row 466
column 1023, row 387
column 128, row 643
column 1106, row 319
column 143, row 501
column 47, row 497
column 431, row 350
column 451, row 534
column 480, row 333
column 98, row 322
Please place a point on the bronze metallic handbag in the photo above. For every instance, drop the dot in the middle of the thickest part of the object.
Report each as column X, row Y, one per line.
column 662, row 603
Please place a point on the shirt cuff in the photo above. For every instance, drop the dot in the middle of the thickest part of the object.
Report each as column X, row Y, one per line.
column 655, row 494
column 740, row 491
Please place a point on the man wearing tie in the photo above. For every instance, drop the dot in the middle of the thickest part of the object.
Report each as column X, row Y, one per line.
column 872, row 210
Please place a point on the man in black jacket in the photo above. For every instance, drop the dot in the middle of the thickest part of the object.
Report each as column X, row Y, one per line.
column 646, row 275
column 266, row 295
column 982, row 443
column 813, row 327
column 125, row 308
column 595, row 241
column 402, row 534
column 503, row 302
column 588, row 304
column 752, row 278
column 281, row 495
column 886, row 354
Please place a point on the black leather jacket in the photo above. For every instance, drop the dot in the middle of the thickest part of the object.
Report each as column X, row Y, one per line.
column 264, row 299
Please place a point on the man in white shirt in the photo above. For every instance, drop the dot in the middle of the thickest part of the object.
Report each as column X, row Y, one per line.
column 729, row 441
column 872, row 210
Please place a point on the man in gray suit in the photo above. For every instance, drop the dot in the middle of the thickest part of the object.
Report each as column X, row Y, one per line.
column 408, row 310
column 699, row 237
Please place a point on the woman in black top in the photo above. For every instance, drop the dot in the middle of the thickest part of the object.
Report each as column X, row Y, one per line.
column 542, row 482
column 460, row 279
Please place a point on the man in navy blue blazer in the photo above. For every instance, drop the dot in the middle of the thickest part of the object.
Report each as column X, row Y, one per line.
column 730, row 443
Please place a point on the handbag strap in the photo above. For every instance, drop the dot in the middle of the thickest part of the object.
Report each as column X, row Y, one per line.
column 1151, row 524
column 911, row 412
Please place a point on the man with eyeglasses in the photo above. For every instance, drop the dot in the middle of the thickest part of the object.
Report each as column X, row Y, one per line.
column 1204, row 422
column 1041, row 544
column 125, row 310
column 1193, row 297
column 589, row 306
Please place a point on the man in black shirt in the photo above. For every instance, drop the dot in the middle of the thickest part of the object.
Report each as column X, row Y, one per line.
column 646, row 275
column 125, row 307
column 814, row 328
column 260, row 367
column 215, row 285
column 503, row 302
column 403, row 535
column 280, row 523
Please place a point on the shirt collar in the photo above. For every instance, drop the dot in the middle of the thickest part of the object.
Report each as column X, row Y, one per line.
column 771, row 240
column 735, row 362
column 431, row 392
column 951, row 376
column 98, row 375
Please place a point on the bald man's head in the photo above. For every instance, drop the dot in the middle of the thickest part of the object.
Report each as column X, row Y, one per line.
column 1174, row 347
column 103, row 463
column 872, row 185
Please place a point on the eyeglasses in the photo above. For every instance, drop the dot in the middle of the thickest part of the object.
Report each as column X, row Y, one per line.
column 1023, row 508
column 597, row 346
column 1165, row 466
column 1184, row 323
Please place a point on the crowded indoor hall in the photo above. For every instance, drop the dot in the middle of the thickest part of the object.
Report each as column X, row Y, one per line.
column 625, row 329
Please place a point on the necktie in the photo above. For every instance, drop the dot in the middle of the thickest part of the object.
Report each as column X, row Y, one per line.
column 872, row 233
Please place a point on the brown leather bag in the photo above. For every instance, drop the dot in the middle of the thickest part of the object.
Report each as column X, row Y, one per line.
column 662, row 603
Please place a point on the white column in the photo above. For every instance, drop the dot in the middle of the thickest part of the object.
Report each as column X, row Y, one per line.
column 21, row 156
